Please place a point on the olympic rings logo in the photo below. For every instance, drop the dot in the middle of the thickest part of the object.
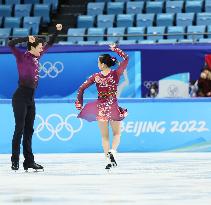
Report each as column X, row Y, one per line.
column 50, row 69
column 148, row 84
column 62, row 128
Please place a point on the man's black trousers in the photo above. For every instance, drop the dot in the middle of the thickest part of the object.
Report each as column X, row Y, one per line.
column 24, row 112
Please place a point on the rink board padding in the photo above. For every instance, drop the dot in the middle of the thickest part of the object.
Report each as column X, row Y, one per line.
column 152, row 125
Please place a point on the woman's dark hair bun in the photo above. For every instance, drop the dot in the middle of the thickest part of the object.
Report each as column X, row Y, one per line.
column 108, row 60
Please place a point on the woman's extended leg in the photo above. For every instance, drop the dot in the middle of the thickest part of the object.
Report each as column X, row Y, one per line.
column 116, row 128
column 103, row 125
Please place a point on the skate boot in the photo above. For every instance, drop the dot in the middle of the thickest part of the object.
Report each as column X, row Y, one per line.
column 15, row 166
column 108, row 161
column 108, row 167
column 32, row 165
column 111, row 157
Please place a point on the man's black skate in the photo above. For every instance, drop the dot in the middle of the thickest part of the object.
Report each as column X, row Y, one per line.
column 15, row 166
column 113, row 161
column 32, row 165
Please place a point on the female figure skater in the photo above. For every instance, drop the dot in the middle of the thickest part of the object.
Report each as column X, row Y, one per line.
column 105, row 109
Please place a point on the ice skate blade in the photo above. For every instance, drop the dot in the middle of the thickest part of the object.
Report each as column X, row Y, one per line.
column 14, row 170
column 108, row 171
column 33, row 170
column 39, row 170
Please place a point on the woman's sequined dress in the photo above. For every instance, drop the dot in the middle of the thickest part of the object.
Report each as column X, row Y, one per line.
column 105, row 108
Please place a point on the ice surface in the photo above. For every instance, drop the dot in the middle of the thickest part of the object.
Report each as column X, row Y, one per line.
column 141, row 178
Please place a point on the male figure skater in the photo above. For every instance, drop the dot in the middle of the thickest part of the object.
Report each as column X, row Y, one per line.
column 23, row 99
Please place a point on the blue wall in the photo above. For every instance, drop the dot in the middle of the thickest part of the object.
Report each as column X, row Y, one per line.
column 151, row 126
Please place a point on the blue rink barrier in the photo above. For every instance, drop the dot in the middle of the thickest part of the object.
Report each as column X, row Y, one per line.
column 153, row 125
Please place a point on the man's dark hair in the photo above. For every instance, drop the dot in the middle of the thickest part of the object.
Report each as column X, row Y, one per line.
column 35, row 44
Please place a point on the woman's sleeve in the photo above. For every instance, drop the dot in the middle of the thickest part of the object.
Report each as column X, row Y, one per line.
column 124, row 63
column 84, row 86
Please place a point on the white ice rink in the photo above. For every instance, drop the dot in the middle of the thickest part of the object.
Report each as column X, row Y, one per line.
column 78, row 179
